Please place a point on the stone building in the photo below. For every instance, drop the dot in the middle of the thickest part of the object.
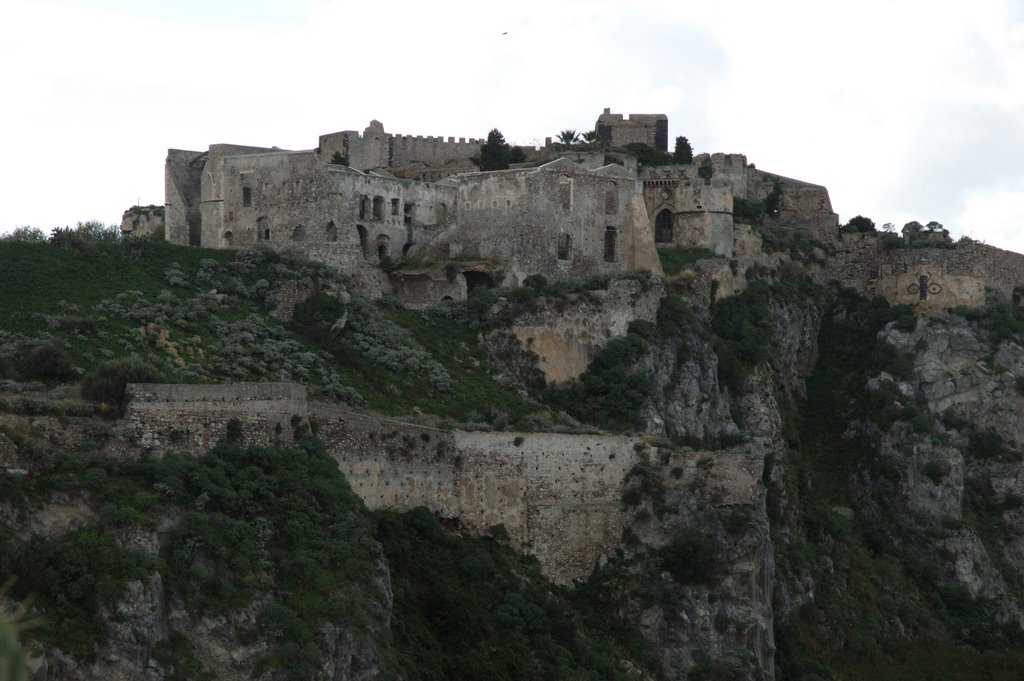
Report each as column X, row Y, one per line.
column 617, row 130
column 695, row 205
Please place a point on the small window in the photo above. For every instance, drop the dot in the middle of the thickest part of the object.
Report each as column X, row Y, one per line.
column 229, row 239
column 494, row 203
column 410, row 212
column 508, row 203
column 246, row 196
column 298, row 233
column 363, row 246
column 565, row 247
column 378, row 208
column 610, row 237
column 363, row 200
column 331, row 231
column 394, row 206
column 262, row 230
column 469, row 205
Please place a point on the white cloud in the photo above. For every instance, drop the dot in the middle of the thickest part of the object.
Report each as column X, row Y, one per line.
column 904, row 110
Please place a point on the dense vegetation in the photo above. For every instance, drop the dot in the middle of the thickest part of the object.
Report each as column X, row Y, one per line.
column 279, row 529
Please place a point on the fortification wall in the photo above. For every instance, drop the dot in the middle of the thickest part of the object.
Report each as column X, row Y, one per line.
column 618, row 130
column 558, row 495
column 375, row 148
column 182, row 173
column 567, row 338
column 195, row 417
column 968, row 274
column 557, row 220
column 143, row 221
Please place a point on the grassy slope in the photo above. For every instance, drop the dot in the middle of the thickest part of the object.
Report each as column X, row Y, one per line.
column 79, row 298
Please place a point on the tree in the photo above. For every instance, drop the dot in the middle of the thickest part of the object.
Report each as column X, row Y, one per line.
column 684, row 151
column 858, row 224
column 497, row 154
column 591, row 136
column 339, row 160
column 569, row 137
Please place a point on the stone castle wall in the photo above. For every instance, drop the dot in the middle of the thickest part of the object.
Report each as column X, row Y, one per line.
column 558, row 495
column 195, row 417
column 375, row 148
column 969, row 274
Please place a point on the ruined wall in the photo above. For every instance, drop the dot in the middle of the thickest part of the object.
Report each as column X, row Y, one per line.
column 558, row 220
column 968, row 274
column 375, row 148
column 195, row 417
column 143, row 221
column 182, row 173
column 567, row 336
column 334, row 214
column 618, row 130
column 558, row 495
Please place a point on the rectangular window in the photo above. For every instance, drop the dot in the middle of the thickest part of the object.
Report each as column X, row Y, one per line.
column 246, row 196
column 410, row 212
column 611, row 202
column 610, row 237
column 394, row 206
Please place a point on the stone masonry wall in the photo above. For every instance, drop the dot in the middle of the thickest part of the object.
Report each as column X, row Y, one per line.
column 968, row 274
column 557, row 494
column 195, row 417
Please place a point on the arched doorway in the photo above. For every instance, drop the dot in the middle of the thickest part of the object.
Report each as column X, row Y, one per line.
column 663, row 227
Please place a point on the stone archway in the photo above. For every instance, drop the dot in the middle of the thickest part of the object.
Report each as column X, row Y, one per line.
column 663, row 227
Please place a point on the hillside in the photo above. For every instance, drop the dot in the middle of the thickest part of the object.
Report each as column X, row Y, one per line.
column 820, row 485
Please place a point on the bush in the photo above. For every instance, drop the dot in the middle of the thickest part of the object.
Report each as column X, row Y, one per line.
column 50, row 361
column 108, row 382
column 690, row 558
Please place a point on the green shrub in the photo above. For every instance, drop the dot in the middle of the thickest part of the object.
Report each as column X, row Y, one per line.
column 50, row 361
column 108, row 382
column 936, row 471
column 690, row 558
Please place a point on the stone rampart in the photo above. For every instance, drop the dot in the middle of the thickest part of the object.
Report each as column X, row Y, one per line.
column 967, row 273
column 557, row 494
column 195, row 417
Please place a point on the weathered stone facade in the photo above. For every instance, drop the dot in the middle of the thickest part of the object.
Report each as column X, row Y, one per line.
column 617, row 130
column 143, row 221
column 931, row 278
column 694, row 205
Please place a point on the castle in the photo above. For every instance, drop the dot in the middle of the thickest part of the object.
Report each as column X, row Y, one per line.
column 413, row 217
column 360, row 201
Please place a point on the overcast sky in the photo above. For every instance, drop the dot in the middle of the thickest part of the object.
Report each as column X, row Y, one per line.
column 905, row 110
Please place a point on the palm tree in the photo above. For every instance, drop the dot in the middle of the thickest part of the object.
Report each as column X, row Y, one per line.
column 590, row 136
column 568, row 137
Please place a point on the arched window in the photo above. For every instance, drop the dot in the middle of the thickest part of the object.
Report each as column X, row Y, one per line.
column 364, row 201
column 262, row 230
column 383, row 246
column 298, row 233
column 564, row 247
column 229, row 239
column 610, row 237
column 331, row 231
column 663, row 227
